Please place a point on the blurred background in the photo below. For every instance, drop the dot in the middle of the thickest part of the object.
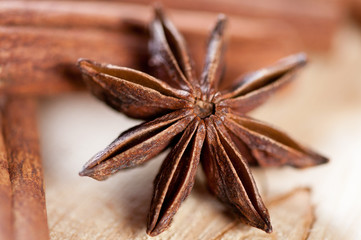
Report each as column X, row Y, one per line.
column 40, row 42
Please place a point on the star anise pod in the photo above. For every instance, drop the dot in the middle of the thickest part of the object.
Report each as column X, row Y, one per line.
column 210, row 126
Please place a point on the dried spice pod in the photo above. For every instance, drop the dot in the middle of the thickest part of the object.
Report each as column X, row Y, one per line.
column 210, row 125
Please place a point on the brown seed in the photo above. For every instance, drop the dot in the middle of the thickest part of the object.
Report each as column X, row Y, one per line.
column 211, row 125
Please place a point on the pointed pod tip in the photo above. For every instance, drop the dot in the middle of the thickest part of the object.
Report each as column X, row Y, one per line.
column 82, row 61
column 85, row 64
column 298, row 59
column 155, row 231
column 294, row 61
column 311, row 160
column 267, row 226
column 158, row 10
column 222, row 17
column 84, row 172
column 154, row 228
column 221, row 23
column 268, row 229
column 302, row 58
column 152, row 231
column 158, row 7
column 322, row 160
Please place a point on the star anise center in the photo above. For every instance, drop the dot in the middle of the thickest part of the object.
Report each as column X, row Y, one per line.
column 203, row 109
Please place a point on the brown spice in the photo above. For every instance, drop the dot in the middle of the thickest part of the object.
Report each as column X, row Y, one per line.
column 41, row 40
column 211, row 125
column 6, row 217
column 315, row 21
column 28, row 201
column 37, row 61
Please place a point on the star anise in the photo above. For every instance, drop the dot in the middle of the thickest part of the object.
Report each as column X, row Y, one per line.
column 210, row 126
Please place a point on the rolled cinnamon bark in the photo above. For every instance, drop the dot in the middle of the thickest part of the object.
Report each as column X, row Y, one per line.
column 41, row 41
column 25, row 170
column 6, row 215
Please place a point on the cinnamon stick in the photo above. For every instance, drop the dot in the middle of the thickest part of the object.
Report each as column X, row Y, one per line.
column 20, row 134
column 315, row 21
column 42, row 61
column 41, row 41
column 6, row 217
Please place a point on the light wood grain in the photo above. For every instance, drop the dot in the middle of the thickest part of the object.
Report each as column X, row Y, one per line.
column 292, row 217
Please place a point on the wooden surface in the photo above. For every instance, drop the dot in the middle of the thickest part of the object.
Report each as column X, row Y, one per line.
column 322, row 109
